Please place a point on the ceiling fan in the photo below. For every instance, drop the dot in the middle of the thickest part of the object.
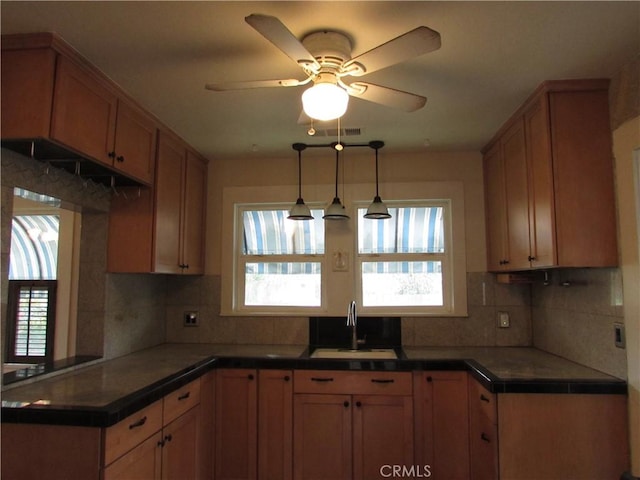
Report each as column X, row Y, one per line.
column 325, row 58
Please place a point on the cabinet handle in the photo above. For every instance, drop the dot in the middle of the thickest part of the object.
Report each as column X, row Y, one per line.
column 484, row 399
column 120, row 158
column 139, row 423
column 382, row 380
column 184, row 265
column 485, row 438
column 161, row 443
column 504, row 262
column 250, row 376
column 184, row 396
column 111, row 154
column 287, row 378
column 168, row 438
column 429, row 379
column 358, row 404
column 531, row 258
column 321, row 379
column 346, row 404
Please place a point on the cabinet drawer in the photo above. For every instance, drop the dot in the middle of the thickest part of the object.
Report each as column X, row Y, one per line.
column 484, row 400
column 126, row 434
column 178, row 402
column 338, row 381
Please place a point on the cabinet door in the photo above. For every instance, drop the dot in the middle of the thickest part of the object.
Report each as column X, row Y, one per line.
column 206, row 432
column 135, row 142
column 275, row 424
column 84, row 112
column 542, row 237
column 168, row 200
column 442, row 423
column 495, row 209
column 179, row 453
column 141, row 463
column 517, row 197
column 382, row 435
column 193, row 223
column 236, row 424
column 483, row 433
column 27, row 92
column 322, row 444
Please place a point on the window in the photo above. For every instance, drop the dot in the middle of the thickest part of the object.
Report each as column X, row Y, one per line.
column 31, row 315
column 32, row 288
column 413, row 264
column 404, row 261
column 280, row 264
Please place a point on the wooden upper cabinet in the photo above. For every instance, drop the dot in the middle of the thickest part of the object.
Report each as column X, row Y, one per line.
column 194, row 221
column 162, row 230
column 556, row 201
column 51, row 93
column 27, row 92
column 135, row 142
column 495, row 210
column 84, row 112
column 168, row 204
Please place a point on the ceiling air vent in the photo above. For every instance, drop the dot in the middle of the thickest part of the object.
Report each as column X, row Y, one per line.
column 333, row 132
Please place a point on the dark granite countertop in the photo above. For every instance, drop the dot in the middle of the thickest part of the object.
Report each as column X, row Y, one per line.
column 102, row 394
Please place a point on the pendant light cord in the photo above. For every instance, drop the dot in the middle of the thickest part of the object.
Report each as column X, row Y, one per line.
column 299, row 174
column 377, row 195
column 337, row 153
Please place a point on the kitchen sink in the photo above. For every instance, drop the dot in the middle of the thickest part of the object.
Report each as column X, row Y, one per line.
column 371, row 353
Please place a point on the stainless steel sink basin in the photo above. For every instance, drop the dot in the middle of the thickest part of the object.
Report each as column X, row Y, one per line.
column 373, row 353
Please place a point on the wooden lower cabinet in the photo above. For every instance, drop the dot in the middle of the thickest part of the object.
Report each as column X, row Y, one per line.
column 143, row 462
column 442, row 423
column 518, row 436
column 351, row 425
column 253, row 424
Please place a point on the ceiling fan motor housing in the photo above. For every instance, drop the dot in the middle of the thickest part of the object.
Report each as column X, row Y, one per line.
column 331, row 49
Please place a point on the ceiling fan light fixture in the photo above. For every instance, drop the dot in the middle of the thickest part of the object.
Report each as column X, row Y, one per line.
column 325, row 101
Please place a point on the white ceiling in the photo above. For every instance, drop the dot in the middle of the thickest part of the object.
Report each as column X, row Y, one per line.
column 493, row 56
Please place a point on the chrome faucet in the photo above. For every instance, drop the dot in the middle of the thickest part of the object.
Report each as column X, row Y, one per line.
column 352, row 322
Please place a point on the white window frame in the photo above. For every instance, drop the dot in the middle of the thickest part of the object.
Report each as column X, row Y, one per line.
column 339, row 285
column 241, row 260
column 445, row 258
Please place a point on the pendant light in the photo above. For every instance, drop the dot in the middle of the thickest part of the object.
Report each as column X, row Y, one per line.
column 377, row 210
column 336, row 210
column 300, row 211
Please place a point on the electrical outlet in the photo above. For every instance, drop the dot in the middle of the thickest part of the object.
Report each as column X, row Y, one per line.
column 503, row 320
column 618, row 329
column 190, row 319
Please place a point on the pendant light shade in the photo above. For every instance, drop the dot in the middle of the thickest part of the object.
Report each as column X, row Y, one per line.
column 326, row 100
column 336, row 210
column 300, row 211
column 377, row 210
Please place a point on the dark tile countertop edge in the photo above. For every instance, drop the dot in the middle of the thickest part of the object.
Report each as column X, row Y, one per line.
column 114, row 412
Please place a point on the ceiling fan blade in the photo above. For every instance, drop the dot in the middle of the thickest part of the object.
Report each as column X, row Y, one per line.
column 221, row 87
column 409, row 102
column 277, row 33
column 411, row 44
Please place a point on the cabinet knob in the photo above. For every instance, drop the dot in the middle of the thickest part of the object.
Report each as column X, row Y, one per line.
column 287, row 378
column 485, row 438
column 250, row 376
column 358, row 404
column 168, row 438
column 429, row 379
column 531, row 258
column 120, row 158
column 346, row 404
column 111, row 154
